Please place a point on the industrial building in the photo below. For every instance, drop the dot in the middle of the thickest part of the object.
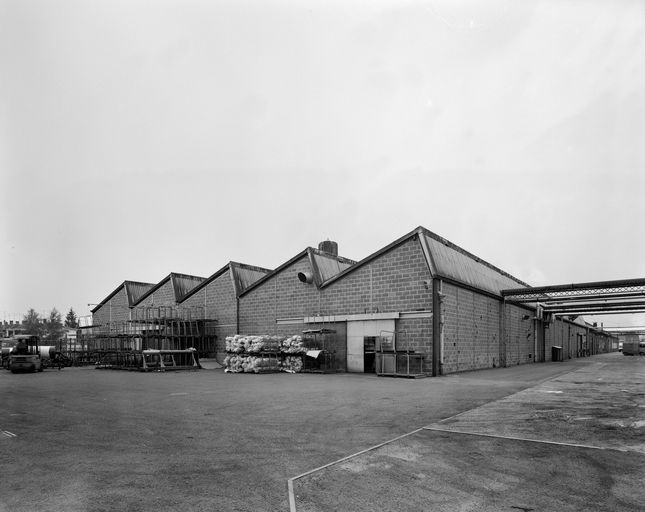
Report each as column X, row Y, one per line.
column 437, row 308
column 419, row 306
column 142, row 316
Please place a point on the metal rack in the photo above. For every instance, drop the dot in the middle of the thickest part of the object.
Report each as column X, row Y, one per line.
column 161, row 328
column 148, row 360
column 394, row 357
column 321, row 351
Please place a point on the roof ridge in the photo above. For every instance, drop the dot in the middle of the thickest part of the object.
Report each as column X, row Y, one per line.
column 342, row 259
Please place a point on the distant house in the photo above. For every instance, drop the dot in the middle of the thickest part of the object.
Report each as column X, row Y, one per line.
column 11, row 328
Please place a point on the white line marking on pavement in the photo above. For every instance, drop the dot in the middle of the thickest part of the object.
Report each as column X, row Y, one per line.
column 9, row 434
column 292, row 497
column 178, row 394
column 535, row 385
column 513, row 438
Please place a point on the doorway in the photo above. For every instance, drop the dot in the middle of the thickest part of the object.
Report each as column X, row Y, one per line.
column 361, row 343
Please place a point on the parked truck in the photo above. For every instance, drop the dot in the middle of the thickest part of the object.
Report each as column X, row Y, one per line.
column 633, row 348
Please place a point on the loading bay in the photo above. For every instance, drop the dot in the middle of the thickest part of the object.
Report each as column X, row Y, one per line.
column 562, row 436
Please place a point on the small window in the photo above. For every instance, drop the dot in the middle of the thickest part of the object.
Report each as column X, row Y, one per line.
column 369, row 343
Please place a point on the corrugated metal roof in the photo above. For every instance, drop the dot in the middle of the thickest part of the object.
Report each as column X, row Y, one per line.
column 182, row 284
column 245, row 275
column 133, row 290
column 452, row 262
column 329, row 266
column 324, row 266
column 136, row 290
column 275, row 272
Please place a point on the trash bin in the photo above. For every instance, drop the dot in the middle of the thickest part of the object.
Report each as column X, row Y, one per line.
column 556, row 353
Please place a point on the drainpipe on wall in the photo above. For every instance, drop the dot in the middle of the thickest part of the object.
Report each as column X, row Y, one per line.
column 437, row 330
column 237, row 315
column 535, row 341
column 502, row 334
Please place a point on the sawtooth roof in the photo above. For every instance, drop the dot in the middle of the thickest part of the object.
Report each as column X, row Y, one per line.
column 134, row 290
column 181, row 283
column 243, row 276
column 324, row 266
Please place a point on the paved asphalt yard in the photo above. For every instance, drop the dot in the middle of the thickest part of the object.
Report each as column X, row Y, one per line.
column 544, row 437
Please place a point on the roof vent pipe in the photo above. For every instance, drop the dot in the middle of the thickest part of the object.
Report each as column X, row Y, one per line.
column 329, row 247
column 306, row 277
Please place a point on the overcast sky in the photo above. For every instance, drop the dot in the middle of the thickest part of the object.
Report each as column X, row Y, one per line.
column 139, row 138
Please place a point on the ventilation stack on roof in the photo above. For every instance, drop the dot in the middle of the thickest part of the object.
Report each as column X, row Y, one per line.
column 329, row 247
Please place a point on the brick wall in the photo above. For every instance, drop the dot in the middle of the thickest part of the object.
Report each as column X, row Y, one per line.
column 557, row 334
column 114, row 311
column 567, row 335
column 217, row 301
column 519, row 335
column 281, row 296
column 392, row 282
column 470, row 331
column 162, row 296
column 417, row 337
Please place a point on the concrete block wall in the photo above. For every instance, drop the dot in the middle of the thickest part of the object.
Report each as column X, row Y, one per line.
column 217, row 300
column 162, row 296
column 604, row 343
column 562, row 333
column 115, row 310
column 571, row 334
column 519, row 335
column 567, row 334
column 470, row 330
column 282, row 296
column 417, row 337
column 555, row 335
column 391, row 282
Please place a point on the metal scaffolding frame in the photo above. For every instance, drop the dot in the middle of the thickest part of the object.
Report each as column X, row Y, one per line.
column 152, row 328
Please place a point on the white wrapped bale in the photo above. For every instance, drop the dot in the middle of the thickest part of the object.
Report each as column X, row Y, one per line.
column 293, row 345
column 292, row 364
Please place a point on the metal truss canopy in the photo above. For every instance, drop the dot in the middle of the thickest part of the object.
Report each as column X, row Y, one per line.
column 626, row 330
column 595, row 298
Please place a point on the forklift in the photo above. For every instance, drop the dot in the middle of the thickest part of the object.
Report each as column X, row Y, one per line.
column 25, row 355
